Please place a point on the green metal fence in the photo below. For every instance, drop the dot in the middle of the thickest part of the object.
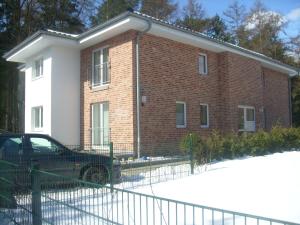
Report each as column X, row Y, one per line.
column 54, row 199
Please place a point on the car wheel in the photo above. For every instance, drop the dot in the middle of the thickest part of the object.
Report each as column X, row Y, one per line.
column 95, row 175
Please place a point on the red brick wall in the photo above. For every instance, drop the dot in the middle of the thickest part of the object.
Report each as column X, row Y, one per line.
column 243, row 86
column 119, row 92
column 276, row 98
column 169, row 73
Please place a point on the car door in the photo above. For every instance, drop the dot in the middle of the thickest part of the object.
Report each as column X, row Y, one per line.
column 51, row 156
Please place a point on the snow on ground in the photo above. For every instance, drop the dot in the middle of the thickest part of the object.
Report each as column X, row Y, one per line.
column 267, row 186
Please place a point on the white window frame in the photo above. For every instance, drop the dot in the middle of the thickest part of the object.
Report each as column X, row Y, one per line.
column 101, row 123
column 34, row 68
column 101, row 63
column 41, row 118
column 184, row 114
column 205, row 64
column 207, row 115
column 245, row 107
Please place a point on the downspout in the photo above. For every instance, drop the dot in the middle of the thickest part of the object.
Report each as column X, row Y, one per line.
column 138, row 92
column 290, row 101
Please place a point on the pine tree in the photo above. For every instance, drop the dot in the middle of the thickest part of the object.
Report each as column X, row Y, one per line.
column 216, row 28
column 193, row 16
column 111, row 8
column 235, row 16
column 161, row 9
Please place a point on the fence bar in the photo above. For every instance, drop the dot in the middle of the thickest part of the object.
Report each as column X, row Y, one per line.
column 36, row 195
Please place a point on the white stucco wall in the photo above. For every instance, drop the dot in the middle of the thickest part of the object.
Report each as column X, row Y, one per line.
column 65, row 95
column 58, row 91
column 38, row 92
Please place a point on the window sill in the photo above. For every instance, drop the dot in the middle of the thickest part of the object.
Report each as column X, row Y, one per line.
column 243, row 130
column 37, row 78
column 204, row 126
column 100, row 87
column 180, row 126
column 37, row 130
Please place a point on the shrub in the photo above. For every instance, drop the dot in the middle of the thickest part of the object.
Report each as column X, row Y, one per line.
column 217, row 146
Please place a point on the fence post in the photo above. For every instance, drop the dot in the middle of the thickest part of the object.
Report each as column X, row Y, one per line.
column 111, row 156
column 36, row 195
column 191, row 154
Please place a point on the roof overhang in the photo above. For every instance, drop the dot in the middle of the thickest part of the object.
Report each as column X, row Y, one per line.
column 133, row 21
column 36, row 43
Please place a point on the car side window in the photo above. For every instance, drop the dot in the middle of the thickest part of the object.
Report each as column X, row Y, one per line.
column 43, row 145
column 11, row 145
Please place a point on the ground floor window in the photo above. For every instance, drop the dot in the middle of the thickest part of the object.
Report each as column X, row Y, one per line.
column 37, row 118
column 180, row 114
column 204, row 115
column 246, row 118
column 100, row 124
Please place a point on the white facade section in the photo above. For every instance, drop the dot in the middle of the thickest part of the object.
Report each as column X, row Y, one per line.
column 57, row 91
column 65, row 91
column 38, row 92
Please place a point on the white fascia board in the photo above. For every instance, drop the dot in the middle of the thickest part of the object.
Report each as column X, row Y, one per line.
column 106, row 30
column 38, row 45
column 11, row 58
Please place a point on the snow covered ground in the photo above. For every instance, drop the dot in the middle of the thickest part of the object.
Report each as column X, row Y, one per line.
column 266, row 186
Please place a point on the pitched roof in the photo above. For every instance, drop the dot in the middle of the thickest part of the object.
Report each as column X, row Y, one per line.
column 222, row 45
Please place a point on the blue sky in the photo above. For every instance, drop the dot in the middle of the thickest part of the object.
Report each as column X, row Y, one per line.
column 288, row 8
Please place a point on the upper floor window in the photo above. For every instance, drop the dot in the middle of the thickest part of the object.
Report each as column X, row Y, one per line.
column 180, row 114
column 204, row 115
column 246, row 118
column 38, row 68
column 203, row 64
column 37, row 117
column 100, row 75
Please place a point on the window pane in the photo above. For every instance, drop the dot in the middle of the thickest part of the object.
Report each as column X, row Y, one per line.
column 203, row 115
column 202, row 64
column 180, row 114
column 37, row 117
column 250, row 114
column 43, row 145
column 96, row 124
column 105, row 55
column 241, row 119
column 96, row 72
column 105, row 124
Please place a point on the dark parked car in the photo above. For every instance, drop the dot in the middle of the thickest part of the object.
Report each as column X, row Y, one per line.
column 52, row 156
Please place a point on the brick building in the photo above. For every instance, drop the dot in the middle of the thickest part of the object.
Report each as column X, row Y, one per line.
column 141, row 81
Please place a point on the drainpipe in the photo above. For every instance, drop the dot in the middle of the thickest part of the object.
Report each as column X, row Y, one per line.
column 290, row 101
column 290, row 97
column 138, row 92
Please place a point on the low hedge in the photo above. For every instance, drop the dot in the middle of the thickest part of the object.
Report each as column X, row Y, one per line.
column 217, row 146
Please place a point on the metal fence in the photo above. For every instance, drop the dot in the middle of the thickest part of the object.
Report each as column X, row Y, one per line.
column 55, row 199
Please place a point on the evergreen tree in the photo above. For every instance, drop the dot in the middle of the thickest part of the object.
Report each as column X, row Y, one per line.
column 216, row 28
column 235, row 16
column 111, row 8
column 161, row 9
column 193, row 16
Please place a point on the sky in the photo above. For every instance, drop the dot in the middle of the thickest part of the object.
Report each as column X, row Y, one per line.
column 290, row 9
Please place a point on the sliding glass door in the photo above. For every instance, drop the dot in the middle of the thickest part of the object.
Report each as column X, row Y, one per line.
column 100, row 124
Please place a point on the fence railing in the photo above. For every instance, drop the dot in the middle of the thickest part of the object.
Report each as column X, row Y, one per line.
column 55, row 199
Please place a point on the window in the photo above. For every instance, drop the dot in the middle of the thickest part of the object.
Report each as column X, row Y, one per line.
column 37, row 118
column 180, row 115
column 203, row 64
column 204, row 115
column 11, row 145
column 246, row 118
column 100, row 74
column 100, row 124
column 43, row 145
column 38, row 68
